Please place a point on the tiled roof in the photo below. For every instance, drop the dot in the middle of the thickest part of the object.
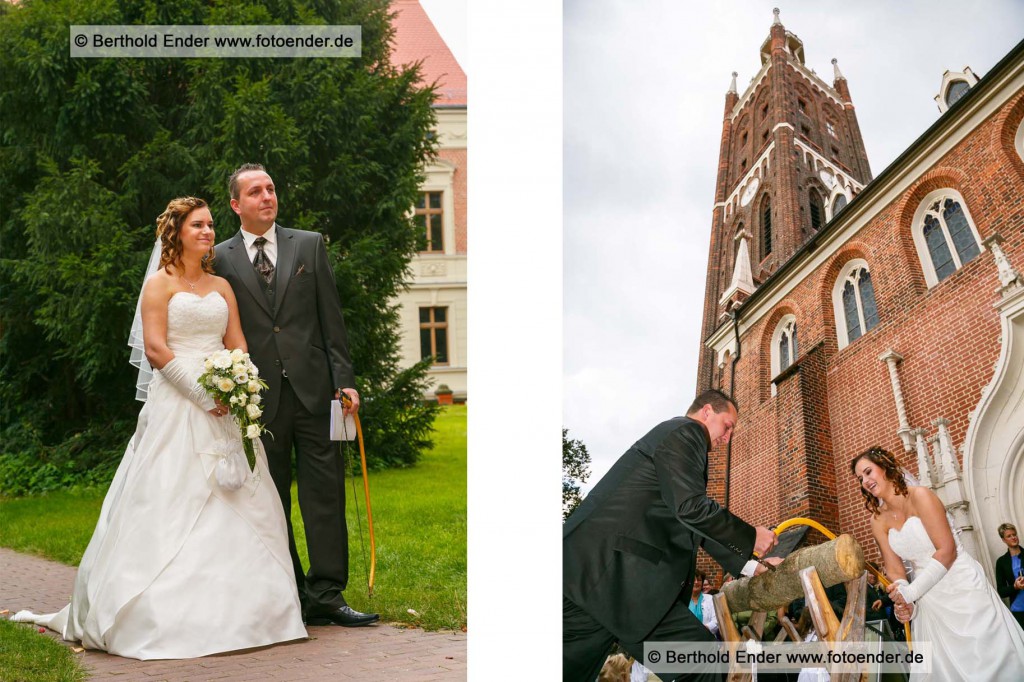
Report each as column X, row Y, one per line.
column 416, row 39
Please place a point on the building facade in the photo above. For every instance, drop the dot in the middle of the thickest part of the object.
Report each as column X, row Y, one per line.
column 845, row 311
column 433, row 309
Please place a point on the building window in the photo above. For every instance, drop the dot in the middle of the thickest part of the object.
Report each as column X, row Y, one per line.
column 764, row 137
column 743, row 165
column 839, row 203
column 830, row 128
column 1018, row 140
column 744, row 142
column 428, row 218
column 764, row 111
column 802, row 105
column 957, row 89
column 945, row 236
column 835, row 153
column 805, row 131
column 766, row 227
column 816, row 211
column 784, row 346
column 434, row 334
column 853, row 301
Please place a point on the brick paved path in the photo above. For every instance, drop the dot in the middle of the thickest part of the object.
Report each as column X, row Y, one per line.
column 333, row 653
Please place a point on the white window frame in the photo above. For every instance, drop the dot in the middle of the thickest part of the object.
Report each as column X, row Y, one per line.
column 440, row 178
column 1018, row 140
column 842, row 333
column 917, row 228
column 783, row 327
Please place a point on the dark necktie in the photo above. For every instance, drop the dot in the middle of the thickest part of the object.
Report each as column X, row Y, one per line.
column 262, row 262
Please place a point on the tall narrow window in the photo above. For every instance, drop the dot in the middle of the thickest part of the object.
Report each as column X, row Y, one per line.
column 428, row 217
column 830, row 128
column 434, row 334
column 839, row 203
column 854, row 302
column 784, row 350
column 945, row 236
column 816, row 211
column 766, row 227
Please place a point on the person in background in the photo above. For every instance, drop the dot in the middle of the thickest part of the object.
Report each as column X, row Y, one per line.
column 1010, row 572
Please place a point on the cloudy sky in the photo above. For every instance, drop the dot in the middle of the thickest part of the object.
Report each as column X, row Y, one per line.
column 449, row 18
column 644, row 87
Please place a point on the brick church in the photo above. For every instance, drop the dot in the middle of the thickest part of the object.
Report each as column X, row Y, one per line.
column 844, row 310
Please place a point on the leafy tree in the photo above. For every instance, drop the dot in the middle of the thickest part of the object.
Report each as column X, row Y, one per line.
column 92, row 151
column 575, row 471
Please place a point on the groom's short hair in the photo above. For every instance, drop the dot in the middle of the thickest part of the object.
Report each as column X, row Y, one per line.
column 244, row 168
column 718, row 400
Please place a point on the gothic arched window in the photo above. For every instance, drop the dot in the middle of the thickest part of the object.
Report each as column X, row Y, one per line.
column 766, row 227
column 839, row 203
column 945, row 235
column 784, row 346
column 817, row 213
column 853, row 301
column 956, row 90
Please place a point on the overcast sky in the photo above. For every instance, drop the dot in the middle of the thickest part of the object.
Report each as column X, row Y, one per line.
column 449, row 18
column 644, row 92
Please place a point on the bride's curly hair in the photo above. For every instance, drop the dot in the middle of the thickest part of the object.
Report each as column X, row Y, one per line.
column 886, row 461
column 168, row 231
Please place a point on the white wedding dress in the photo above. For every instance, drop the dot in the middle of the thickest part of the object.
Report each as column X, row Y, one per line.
column 973, row 635
column 178, row 567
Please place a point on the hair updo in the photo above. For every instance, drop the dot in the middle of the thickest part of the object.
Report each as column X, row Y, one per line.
column 168, row 231
column 885, row 460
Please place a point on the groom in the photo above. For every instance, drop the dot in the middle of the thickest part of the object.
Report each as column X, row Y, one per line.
column 291, row 317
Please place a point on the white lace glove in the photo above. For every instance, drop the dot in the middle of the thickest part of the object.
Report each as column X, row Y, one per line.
column 176, row 374
column 925, row 580
column 901, row 584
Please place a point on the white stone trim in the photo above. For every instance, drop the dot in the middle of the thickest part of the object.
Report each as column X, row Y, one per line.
column 841, row 176
column 837, row 191
column 1018, row 140
column 783, row 327
column 842, row 333
column 759, row 168
column 748, row 94
column 857, row 215
column 994, row 443
column 948, row 79
column 917, row 230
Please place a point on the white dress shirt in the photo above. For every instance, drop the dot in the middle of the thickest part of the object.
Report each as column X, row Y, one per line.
column 270, row 248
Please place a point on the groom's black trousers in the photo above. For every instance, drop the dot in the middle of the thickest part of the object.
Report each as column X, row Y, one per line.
column 321, row 476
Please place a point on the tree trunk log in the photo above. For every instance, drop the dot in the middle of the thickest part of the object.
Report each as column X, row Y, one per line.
column 836, row 561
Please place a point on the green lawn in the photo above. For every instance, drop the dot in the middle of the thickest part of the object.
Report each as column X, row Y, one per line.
column 419, row 519
column 26, row 655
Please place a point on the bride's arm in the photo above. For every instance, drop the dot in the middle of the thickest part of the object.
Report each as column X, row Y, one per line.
column 933, row 516
column 233, row 337
column 155, row 295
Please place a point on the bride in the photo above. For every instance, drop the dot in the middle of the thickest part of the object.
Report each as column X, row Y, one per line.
column 949, row 603
column 179, row 566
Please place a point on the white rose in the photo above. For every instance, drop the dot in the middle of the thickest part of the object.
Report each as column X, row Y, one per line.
column 222, row 361
column 253, row 370
column 225, row 384
column 234, row 399
column 241, row 378
column 237, row 368
column 253, row 411
column 255, row 399
column 208, row 364
column 253, row 386
column 252, row 431
column 236, row 355
column 242, row 399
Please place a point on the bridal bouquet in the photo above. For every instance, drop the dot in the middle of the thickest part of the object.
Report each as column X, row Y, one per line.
column 231, row 378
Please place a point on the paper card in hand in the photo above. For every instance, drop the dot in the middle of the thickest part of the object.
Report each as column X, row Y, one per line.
column 342, row 427
column 788, row 541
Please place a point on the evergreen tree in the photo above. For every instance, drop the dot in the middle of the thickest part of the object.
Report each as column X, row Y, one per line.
column 92, row 151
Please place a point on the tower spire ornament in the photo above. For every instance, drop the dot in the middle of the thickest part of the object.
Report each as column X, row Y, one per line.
column 835, row 67
column 732, row 85
column 776, row 21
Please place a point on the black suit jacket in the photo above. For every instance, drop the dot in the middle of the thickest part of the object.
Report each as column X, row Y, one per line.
column 305, row 334
column 1004, row 577
column 630, row 548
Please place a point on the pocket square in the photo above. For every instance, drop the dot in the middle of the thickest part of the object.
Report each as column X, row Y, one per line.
column 302, row 269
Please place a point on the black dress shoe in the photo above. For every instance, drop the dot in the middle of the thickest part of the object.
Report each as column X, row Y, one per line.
column 345, row 616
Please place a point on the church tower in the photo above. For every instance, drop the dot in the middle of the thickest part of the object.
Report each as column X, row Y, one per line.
column 791, row 157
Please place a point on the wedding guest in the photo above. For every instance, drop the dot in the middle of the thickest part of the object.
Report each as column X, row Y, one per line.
column 1010, row 572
